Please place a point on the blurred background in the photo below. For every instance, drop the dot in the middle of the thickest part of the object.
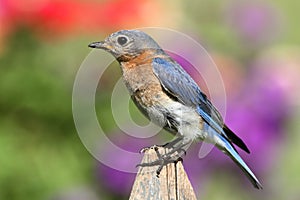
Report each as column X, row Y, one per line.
column 42, row 44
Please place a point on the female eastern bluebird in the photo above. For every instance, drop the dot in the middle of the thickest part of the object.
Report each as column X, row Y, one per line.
column 168, row 96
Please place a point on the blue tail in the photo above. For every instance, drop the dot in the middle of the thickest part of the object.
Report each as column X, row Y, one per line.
column 227, row 148
column 223, row 142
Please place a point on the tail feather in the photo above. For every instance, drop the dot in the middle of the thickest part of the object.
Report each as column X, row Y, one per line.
column 232, row 153
column 235, row 139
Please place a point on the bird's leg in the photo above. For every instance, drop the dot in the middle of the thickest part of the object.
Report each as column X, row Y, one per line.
column 172, row 143
column 179, row 146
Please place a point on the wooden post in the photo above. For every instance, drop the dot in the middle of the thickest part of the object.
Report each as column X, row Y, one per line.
column 172, row 184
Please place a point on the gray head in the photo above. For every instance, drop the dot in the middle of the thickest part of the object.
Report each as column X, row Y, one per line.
column 127, row 44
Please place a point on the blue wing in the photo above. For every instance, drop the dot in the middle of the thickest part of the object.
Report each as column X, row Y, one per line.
column 181, row 86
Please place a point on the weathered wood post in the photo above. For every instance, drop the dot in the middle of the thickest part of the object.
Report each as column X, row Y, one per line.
column 173, row 182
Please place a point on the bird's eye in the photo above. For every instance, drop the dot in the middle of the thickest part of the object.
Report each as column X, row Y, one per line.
column 122, row 40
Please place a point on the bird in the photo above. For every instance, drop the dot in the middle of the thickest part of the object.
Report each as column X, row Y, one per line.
column 167, row 95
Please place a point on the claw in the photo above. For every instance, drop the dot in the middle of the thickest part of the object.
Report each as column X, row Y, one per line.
column 173, row 156
column 183, row 150
column 138, row 165
column 159, row 170
column 179, row 160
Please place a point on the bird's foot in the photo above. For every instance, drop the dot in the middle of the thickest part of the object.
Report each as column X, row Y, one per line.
column 172, row 156
column 161, row 162
column 174, row 150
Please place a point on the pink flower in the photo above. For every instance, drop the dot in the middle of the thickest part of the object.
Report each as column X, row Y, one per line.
column 58, row 17
column 254, row 22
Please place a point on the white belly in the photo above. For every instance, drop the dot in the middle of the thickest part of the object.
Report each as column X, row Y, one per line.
column 187, row 121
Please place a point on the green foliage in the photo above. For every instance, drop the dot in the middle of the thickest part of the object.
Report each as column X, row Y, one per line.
column 40, row 151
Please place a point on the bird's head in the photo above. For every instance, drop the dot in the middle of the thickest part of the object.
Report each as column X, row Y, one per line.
column 127, row 44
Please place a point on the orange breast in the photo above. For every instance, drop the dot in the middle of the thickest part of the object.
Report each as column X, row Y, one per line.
column 143, row 58
column 140, row 79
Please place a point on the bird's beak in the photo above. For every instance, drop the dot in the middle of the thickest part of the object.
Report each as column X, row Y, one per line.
column 100, row 45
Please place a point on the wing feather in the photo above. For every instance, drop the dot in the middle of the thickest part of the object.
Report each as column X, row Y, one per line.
column 180, row 85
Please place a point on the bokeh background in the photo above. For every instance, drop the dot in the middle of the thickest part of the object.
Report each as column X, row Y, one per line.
column 42, row 44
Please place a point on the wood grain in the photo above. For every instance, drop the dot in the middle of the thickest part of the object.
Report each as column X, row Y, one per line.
column 172, row 184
